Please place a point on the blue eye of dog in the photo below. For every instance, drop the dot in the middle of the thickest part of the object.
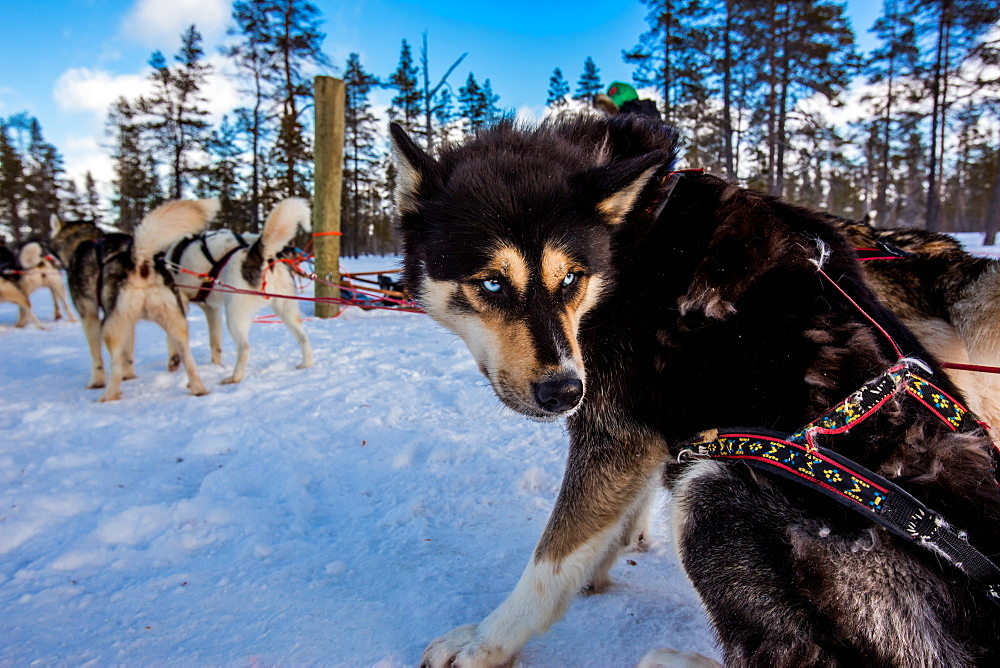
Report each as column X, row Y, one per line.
column 491, row 285
column 570, row 279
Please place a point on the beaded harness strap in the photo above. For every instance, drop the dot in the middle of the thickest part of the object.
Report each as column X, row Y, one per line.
column 798, row 457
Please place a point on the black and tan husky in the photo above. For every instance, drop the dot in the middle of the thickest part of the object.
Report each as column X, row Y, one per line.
column 115, row 281
column 592, row 283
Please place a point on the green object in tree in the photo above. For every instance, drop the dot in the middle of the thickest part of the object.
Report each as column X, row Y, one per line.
column 621, row 92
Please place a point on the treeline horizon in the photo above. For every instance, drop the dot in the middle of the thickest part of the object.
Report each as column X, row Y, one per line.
column 750, row 86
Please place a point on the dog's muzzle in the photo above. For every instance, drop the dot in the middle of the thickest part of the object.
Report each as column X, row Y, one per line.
column 559, row 395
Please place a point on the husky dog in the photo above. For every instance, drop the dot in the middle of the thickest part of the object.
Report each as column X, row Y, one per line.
column 115, row 280
column 248, row 263
column 590, row 282
column 948, row 297
column 11, row 290
column 39, row 271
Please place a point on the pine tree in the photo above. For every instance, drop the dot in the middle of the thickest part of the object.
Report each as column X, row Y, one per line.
column 361, row 155
column 893, row 65
column 137, row 187
column 11, row 184
column 589, row 84
column 432, row 96
column 672, row 27
column 405, row 106
column 444, row 113
column 492, row 112
column 255, row 123
column 957, row 29
column 811, row 51
column 558, row 90
column 222, row 178
column 91, row 200
column 472, row 105
column 43, row 167
column 176, row 111
column 295, row 37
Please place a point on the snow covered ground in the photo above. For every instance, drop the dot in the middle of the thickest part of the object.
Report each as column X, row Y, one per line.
column 343, row 515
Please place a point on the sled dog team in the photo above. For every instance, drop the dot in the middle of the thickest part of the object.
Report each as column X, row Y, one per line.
column 117, row 279
column 834, row 501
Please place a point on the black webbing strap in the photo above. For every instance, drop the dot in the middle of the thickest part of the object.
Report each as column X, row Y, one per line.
column 855, row 487
column 217, row 265
column 798, row 457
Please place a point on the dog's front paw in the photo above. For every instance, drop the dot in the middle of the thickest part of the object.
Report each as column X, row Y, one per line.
column 231, row 380
column 462, row 648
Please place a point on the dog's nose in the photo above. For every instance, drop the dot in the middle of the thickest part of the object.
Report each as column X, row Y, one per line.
column 559, row 395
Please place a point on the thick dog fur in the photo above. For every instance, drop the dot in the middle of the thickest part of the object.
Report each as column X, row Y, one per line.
column 583, row 293
column 39, row 271
column 948, row 297
column 114, row 282
column 254, row 266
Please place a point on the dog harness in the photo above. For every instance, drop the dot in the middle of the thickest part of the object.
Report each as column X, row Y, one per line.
column 217, row 265
column 800, row 458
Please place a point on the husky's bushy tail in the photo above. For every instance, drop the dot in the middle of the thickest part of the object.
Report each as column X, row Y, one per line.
column 30, row 255
column 281, row 225
column 169, row 222
column 279, row 228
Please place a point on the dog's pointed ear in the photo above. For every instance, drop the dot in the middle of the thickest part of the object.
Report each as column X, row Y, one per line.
column 54, row 223
column 619, row 186
column 413, row 167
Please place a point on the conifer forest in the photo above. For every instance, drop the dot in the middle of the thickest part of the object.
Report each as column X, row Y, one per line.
column 774, row 94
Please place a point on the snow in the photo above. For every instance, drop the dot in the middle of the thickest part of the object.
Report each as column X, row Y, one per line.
column 342, row 515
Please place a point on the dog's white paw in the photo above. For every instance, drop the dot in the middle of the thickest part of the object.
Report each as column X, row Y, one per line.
column 95, row 384
column 462, row 648
column 304, row 365
column 672, row 658
column 198, row 390
column 231, row 380
column 110, row 396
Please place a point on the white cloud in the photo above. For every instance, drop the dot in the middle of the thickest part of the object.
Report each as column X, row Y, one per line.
column 82, row 154
column 81, row 89
column 156, row 21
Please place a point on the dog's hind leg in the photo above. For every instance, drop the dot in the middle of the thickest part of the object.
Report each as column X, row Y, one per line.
column 9, row 292
column 288, row 311
column 173, row 357
column 213, row 316
column 92, row 330
column 171, row 318
column 114, row 330
column 599, row 492
column 239, row 317
column 128, row 372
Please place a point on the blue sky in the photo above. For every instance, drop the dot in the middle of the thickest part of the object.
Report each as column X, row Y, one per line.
column 64, row 61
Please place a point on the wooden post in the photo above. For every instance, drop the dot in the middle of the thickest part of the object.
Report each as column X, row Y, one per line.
column 328, row 178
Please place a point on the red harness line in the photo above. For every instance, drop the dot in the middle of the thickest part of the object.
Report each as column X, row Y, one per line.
column 404, row 306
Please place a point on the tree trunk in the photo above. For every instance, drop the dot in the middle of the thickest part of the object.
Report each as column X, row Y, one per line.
column 727, row 79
